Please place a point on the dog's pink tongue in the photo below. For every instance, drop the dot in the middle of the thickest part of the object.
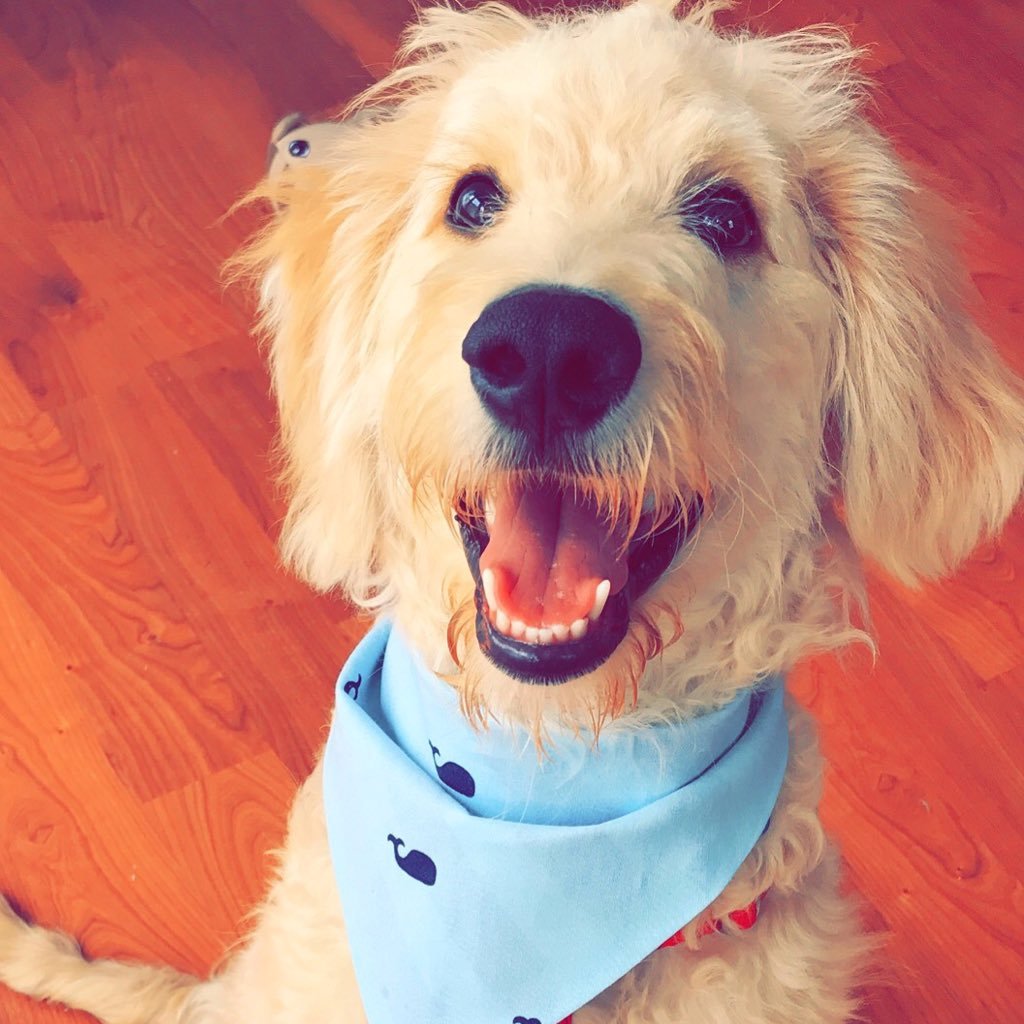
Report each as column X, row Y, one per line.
column 549, row 550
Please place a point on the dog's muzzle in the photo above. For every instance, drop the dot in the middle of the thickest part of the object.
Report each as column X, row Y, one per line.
column 556, row 572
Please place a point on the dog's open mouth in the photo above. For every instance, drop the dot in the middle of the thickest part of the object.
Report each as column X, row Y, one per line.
column 555, row 579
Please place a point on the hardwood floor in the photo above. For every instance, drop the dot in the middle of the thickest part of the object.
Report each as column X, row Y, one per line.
column 164, row 684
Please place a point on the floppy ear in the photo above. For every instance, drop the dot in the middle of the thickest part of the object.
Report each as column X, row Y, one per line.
column 315, row 298
column 931, row 422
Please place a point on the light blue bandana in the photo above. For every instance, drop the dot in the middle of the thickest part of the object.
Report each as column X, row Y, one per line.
column 482, row 885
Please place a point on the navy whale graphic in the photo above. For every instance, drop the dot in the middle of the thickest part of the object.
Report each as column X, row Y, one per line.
column 352, row 686
column 453, row 775
column 415, row 863
column 525, row 1020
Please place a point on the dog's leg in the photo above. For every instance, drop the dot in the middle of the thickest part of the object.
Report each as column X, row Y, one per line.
column 48, row 965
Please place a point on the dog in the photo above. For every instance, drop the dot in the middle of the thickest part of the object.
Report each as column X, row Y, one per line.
column 605, row 343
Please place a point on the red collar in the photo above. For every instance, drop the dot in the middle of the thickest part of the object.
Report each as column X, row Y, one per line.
column 744, row 918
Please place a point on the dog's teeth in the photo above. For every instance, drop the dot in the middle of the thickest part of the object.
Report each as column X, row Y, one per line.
column 502, row 621
column 579, row 628
column 560, row 632
column 517, row 629
column 532, row 634
column 545, row 635
column 604, row 588
column 490, row 592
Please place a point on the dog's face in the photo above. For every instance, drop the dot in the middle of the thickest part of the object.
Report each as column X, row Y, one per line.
column 557, row 334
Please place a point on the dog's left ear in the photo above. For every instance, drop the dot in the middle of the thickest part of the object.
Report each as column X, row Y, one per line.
column 931, row 422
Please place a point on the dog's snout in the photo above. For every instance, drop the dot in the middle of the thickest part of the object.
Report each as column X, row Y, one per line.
column 549, row 361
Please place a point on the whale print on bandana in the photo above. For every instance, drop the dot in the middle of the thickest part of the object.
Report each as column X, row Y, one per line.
column 453, row 775
column 526, row 865
column 416, row 864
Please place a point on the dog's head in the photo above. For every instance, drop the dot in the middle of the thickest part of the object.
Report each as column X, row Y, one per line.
column 560, row 332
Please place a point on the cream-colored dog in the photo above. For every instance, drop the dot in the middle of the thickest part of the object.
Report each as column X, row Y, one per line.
column 778, row 325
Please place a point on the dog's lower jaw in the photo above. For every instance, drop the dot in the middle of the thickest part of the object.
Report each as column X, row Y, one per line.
column 491, row 698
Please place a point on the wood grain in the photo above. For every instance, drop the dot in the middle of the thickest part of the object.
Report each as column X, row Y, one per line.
column 164, row 683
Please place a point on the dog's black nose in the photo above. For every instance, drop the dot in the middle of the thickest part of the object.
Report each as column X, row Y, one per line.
column 548, row 361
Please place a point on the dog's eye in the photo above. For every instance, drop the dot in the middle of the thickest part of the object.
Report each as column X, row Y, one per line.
column 475, row 203
column 722, row 216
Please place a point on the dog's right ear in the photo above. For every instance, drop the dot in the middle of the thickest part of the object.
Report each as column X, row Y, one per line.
column 339, row 191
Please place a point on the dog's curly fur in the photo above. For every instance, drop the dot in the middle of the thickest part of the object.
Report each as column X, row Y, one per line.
column 838, row 368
